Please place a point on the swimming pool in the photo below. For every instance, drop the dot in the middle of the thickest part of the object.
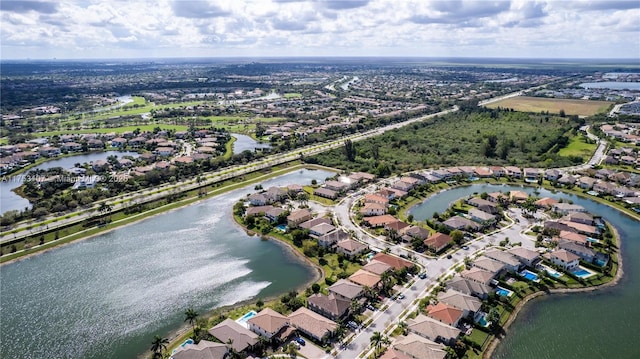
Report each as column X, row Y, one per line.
column 582, row 272
column 243, row 320
column 188, row 341
column 483, row 321
column 552, row 272
column 503, row 292
column 592, row 240
column 282, row 227
column 529, row 275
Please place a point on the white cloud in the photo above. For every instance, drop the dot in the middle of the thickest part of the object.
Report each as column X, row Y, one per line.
column 141, row 28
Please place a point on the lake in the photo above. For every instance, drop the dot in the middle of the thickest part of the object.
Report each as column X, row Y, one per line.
column 9, row 200
column 106, row 297
column 580, row 325
column 246, row 143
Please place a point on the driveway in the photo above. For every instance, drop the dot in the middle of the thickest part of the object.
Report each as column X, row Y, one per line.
column 312, row 351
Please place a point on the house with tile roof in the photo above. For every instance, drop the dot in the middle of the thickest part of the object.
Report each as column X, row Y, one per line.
column 205, row 349
column 417, row 347
column 228, row 330
column 365, row 279
column 312, row 324
column 330, row 306
column 469, row 287
column 433, row 329
column 267, row 323
column 350, row 248
column 525, row 256
column 478, row 275
column 346, row 290
column 564, row 259
column 438, row 242
column 396, row 262
column 467, row 303
column 377, row 267
column 444, row 313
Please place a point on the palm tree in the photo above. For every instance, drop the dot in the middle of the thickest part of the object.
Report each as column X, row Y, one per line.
column 403, row 326
column 190, row 316
column 291, row 350
column 377, row 339
column 355, row 307
column 158, row 346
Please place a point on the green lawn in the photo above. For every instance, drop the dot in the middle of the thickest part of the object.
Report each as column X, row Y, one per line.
column 115, row 129
column 578, row 147
column 292, row 95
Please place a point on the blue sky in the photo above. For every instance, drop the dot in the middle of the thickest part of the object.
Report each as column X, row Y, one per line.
column 66, row 29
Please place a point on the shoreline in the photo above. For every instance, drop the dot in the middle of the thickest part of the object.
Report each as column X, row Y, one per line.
column 57, row 244
column 495, row 341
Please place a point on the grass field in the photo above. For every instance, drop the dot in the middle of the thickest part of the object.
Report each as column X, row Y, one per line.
column 538, row 104
column 578, row 147
column 293, row 95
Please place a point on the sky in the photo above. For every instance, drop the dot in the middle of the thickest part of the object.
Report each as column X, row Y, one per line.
column 85, row 29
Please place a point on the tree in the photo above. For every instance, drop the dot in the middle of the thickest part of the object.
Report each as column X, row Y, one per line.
column 315, row 287
column 403, row 326
column 494, row 318
column 377, row 339
column 457, row 236
column 350, row 150
column 190, row 316
column 158, row 346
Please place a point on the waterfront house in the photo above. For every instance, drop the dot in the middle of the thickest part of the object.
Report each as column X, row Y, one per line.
column 552, row 174
column 532, row 174
column 513, row 171
column 275, row 194
column 444, row 313
column 484, row 205
column 256, row 211
column 564, row 259
column 433, row 329
column 461, row 223
column 587, row 254
column 467, row 303
column 267, row 323
column 273, row 213
column 329, row 306
column 582, row 228
column 314, row 222
column 586, row 182
column 321, row 229
column 545, row 202
column 119, row 142
column 566, row 208
column 350, row 248
column 575, row 237
column 469, row 287
column 332, row 238
column 205, row 349
column 376, row 198
column 312, row 324
column 518, row 196
column 49, row 151
column 70, row 146
column 298, row 216
column 498, row 171
column 417, row 347
column 346, row 290
column 438, row 242
column 483, row 218
column 525, row 256
column 326, row 193
column 241, row 338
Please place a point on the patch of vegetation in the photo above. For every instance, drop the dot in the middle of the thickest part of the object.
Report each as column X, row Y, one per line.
column 480, row 136
column 553, row 105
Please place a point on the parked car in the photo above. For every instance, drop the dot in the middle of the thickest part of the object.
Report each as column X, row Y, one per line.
column 422, row 275
column 465, row 247
column 300, row 341
column 401, row 296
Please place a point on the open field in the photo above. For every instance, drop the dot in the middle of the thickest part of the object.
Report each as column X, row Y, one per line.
column 293, row 95
column 538, row 104
column 578, row 147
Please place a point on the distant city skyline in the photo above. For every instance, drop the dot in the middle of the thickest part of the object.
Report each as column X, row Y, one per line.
column 86, row 29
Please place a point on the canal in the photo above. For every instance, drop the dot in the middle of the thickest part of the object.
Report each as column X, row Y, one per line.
column 106, row 297
column 598, row 324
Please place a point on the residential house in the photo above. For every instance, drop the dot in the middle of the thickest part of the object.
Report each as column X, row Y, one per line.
column 566, row 208
column 478, row 275
column 564, row 259
column 257, row 211
column 346, row 290
column 511, row 262
column 532, row 174
column 417, row 232
column 574, row 237
column 275, row 194
column 386, row 193
column 525, row 256
column 487, row 264
column 329, row 306
column 377, row 267
column 582, row 228
column 467, row 303
column 397, row 226
column 312, row 324
column 321, row 229
column 604, row 187
column 205, row 349
column 484, row 205
column 267, row 323
column 298, row 216
column 469, row 287
column 314, row 222
column 498, row 171
column 273, row 213
column 552, row 174
column 49, row 151
column 587, row 254
column 567, row 179
column 95, row 144
column 336, row 186
column 417, row 347
column 483, row 218
column 350, row 248
column 396, row 262
column 586, row 182
column 513, row 171
column 379, row 221
column 258, row 199
column 545, row 202
column 433, row 329
column 365, row 279
column 376, row 198
column 70, row 146
column 441, row 174
column 241, row 338
column 332, row 238
column 402, row 185
column 482, row 172
column 518, row 196
column 373, row 209
column 444, row 313
column 461, row 223
column 325, row 192
column 438, row 242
